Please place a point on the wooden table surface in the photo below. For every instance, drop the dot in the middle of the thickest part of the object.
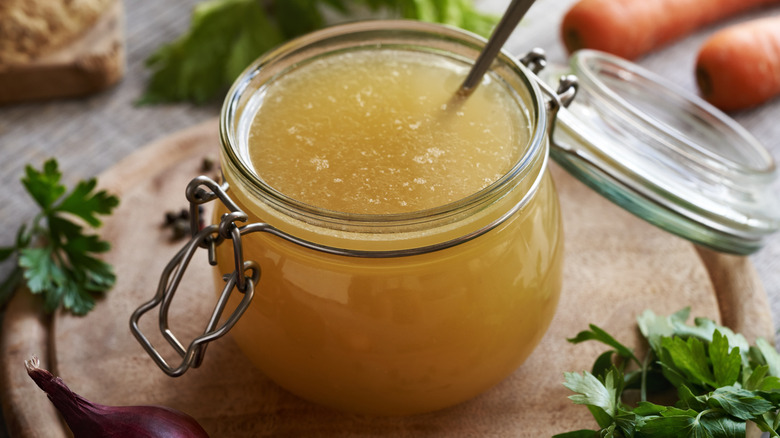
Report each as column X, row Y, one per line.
column 90, row 135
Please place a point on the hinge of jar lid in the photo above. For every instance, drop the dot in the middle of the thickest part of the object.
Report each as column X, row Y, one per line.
column 536, row 60
column 207, row 237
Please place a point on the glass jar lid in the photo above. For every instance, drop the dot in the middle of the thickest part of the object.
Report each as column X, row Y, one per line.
column 665, row 155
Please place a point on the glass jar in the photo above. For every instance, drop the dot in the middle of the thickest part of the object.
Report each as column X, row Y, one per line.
column 396, row 313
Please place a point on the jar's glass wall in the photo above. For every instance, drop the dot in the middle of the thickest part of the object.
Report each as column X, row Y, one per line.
column 407, row 332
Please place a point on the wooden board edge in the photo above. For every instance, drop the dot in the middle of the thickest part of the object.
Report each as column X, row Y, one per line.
column 744, row 305
column 26, row 331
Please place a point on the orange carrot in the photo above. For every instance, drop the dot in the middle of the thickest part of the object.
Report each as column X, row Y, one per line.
column 739, row 66
column 631, row 28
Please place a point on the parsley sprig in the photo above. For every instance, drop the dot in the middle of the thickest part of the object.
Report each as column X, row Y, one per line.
column 56, row 257
column 721, row 382
column 225, row 36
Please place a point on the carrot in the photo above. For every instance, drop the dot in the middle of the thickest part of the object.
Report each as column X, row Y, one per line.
column 631, row 28
column 739, row 67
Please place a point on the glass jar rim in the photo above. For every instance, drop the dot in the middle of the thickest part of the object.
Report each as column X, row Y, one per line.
column 372, row 32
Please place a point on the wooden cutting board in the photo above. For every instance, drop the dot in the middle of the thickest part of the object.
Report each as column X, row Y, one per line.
column 616, row 266
column 91, row 63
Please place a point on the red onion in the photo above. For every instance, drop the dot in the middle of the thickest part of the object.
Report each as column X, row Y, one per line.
column 92, row 420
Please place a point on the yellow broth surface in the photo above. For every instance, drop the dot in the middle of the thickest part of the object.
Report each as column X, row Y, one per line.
column 380, row 132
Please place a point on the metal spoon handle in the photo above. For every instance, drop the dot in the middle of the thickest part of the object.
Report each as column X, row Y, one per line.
column 509, row 21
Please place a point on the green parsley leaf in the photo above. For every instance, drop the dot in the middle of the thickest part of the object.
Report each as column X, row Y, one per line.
column 726, row 364
column 689, row 358
column 225, row 36
column 41, row 272
column 87, row 204
column 689, row 423
column 739, row 403
column 44, row 186
column 55, row 256
column 770, row 356
column 755, row 379
column 648, row 409
column 598, row 334
column 654, row 327
column 600, row 397
column 722, row 383
column 770, row 388
column 689, row 400
column 603, row 363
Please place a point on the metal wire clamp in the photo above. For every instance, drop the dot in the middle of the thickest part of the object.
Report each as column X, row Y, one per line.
column 208, row 237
